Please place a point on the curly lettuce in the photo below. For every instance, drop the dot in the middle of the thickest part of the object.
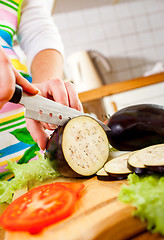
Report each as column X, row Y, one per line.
column 38, row 169
column 146, row 193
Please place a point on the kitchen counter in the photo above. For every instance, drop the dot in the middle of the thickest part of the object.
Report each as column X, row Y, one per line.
column 98, row 215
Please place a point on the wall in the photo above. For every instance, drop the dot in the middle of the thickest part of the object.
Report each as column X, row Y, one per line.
column 130, row 34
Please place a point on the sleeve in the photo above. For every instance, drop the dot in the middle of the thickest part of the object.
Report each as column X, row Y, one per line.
column 37, row 30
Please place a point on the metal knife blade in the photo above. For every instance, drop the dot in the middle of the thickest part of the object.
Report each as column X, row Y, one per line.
column 45, row 110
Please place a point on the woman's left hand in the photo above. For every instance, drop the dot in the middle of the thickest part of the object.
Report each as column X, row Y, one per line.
column 59, row 91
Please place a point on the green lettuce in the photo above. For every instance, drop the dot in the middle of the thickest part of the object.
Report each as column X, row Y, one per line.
column 38, row 169
column 146, row 193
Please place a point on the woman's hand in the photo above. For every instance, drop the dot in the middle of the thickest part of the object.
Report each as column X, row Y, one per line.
column 8, row 77
column 59, row 91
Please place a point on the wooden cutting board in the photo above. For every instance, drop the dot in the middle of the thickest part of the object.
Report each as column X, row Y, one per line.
column 98, row 215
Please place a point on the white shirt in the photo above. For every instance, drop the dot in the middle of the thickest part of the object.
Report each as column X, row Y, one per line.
column 37, row 30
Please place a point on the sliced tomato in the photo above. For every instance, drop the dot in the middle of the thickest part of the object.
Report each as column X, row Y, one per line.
column 40, row 207
column 75, row 187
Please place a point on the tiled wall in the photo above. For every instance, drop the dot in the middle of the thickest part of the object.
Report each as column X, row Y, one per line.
column 130, row 34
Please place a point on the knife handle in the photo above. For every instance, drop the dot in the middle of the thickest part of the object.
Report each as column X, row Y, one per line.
column 17, row 94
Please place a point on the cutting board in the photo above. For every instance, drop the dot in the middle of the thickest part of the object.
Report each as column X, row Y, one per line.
column 98, row 215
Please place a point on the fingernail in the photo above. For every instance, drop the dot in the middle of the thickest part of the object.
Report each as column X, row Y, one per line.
column 52, row 126
column 39, row 92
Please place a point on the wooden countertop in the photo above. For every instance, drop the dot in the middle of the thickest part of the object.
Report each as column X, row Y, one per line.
column 119, row 87
column 98, row 215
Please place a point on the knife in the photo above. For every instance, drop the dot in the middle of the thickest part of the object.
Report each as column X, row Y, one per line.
column 45, row 110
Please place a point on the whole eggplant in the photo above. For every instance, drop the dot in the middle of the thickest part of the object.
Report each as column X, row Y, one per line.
column 136, row 127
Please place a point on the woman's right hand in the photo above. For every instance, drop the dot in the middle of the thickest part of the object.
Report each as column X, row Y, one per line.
column 8, row 77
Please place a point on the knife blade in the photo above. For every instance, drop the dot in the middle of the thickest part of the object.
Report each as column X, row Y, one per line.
column 45, row 110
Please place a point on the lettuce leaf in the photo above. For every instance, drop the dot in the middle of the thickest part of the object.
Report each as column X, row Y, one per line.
column 146, row 193
column 38, row 169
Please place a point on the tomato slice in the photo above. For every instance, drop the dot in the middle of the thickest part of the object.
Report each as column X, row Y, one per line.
column 75, row 187
column 40, row 207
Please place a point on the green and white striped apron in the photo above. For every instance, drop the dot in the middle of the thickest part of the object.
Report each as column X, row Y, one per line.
column 16, row 143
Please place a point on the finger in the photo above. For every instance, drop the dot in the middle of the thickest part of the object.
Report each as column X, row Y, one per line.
column 74, row 100
column 49, row 126
column 26, row 85
column 7, row 78
column 57, row 91
column 37, row 132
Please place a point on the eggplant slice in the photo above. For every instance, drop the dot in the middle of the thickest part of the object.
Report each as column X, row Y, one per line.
column 117, row 167
column 81, row 146
column 147, row 160
column 154, row 158
column 85, row 145
column 116, row 153
column 104, row 176
column 135, row 163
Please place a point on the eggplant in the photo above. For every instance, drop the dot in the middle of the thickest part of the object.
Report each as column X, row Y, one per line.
column 147, row 160
column 102, row 175
column 78, row 149
column 136, row 127
column 154, row 158
column 136, row 165
column 155, row 168
column 117, row 167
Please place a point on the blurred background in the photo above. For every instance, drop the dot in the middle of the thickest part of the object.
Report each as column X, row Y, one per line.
column 111, row 41
column 129, row 34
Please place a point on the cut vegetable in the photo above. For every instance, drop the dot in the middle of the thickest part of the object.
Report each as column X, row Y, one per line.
column 79, row 149
column 116, row 153
column 148, row 160
column 135, row 164
column 41, row 207
column 74, row 186
column 155, row 168
column 117, row 167
column 104, row 176
column 153, row 158
column 136, row 127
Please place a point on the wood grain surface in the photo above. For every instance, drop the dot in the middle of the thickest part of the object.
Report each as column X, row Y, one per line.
column 119, row 87
column 98, row 215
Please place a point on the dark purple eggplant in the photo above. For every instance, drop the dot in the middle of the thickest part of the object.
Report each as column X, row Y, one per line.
column 136, row 127
column 155, row 168
column 78, row 149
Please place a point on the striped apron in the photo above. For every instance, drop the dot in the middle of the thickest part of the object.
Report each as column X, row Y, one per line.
column 16, row 143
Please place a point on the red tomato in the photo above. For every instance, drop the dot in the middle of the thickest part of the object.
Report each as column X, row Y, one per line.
column 39, row 207
column 75, row 187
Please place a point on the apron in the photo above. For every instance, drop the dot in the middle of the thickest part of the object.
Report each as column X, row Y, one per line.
column 16, row 144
